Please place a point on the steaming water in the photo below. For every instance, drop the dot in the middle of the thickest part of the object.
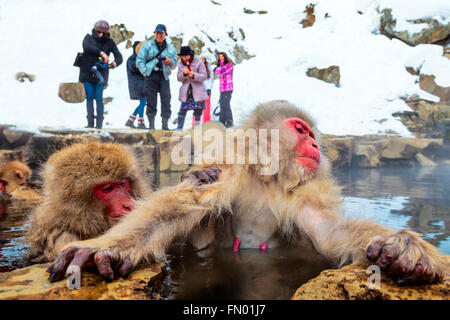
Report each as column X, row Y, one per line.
column 416, row 198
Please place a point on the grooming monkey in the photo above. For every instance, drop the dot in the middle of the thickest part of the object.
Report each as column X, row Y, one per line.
column 245, row 209
column 87, row 188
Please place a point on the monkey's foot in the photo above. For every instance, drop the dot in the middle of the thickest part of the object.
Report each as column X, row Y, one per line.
column 236, row 244
column 407, row 258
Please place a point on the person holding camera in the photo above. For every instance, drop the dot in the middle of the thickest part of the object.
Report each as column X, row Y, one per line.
column 94, row 69
column 224, row 70
column 191, row 73
column 155, row 60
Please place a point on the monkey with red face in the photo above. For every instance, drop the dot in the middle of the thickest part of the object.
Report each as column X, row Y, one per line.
column 248, row 209
column 87, row 188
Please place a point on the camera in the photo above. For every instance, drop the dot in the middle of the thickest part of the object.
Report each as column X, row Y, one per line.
column 95, row 69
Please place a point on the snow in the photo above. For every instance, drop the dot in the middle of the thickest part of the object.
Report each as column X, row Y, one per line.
column 42, row 37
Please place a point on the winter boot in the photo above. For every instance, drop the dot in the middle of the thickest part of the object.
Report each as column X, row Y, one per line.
column 141, row 124
column 165, row 124
column 180, row 122
column 90, row 120
column 99, row 122
column 130, row 121
column 151, row 122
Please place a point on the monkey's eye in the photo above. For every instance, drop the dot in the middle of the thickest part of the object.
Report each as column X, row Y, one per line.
column 300, row 128
column 108, row 188
column 122, row 182
column 4, row 182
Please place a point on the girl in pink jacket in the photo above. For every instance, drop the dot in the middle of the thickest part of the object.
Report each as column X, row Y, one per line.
column 225, row 71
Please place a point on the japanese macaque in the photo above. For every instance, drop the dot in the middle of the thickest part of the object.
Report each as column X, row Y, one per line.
column 87, row 188
column 247, row 209
column 14, row 176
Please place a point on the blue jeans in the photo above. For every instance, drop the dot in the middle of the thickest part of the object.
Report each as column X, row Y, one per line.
column 94, row 91
column 140, row 108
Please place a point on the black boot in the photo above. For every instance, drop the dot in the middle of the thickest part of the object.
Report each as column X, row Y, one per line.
column 90, row 120
column 99, row 123
column 130, row 121
column 180, row 122
column 151, row 122
column 141, row 124
column 165, row 124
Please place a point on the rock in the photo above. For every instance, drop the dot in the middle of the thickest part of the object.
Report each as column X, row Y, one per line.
column 435, row 32
column 11, row 155
column 310, row 17
column 119, row 33
column 167, row 141
column 337, row 149
column 350, row 283
column 240, row 54
column 196, row 45
column 406, row 148
column 446, row 52
column 142, row 137
column 31, row 283
column 21, row 76
column 366, row 155
column 249, row 11
column 16, row 138
column 428, row 84
column 72, row 92
column 147, row 157
column 424, row 161
column 330, row 74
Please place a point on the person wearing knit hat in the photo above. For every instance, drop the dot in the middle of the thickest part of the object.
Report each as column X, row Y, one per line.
column 97, row 47
column 155, row 60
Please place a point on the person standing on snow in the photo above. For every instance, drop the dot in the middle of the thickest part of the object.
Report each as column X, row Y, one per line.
column 225, row 71
column 136, row 90
column 192, row 74
column 96, row 49
column 155, row 60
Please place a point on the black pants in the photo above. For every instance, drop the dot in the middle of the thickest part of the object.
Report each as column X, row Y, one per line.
column 226, row 116
column 153, row 84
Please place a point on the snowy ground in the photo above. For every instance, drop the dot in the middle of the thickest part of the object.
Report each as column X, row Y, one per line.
column 42, row 37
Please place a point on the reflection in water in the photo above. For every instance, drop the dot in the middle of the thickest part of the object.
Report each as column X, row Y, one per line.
column 415, row 198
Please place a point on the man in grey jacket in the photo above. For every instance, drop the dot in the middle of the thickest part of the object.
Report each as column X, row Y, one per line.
column 155, row 60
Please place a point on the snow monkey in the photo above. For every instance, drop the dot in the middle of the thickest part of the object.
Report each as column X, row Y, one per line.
column 245, row 209
column 13, row 175
column 87, row 188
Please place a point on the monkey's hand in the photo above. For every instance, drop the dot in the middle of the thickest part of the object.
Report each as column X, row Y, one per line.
column 407, row 258
column 202, row 176
column 73, row 258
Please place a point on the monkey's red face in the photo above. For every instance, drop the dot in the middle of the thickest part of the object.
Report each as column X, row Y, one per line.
column 308, row 152
column 117, row 198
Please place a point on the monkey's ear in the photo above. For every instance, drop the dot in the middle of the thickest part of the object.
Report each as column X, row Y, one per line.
column 19, row 174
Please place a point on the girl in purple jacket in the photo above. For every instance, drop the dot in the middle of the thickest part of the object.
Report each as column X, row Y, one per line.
column 191, row 73
column 225, row 71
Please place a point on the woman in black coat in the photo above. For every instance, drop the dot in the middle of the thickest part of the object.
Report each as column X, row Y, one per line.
column 94, row 68
column 136, row 89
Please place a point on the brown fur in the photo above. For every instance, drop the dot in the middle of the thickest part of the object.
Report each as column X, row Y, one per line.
column 15, row 174
column 289, row 202
column 68, row 210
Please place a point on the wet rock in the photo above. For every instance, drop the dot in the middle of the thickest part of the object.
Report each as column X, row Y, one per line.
column 147, row 157
column 350, row 283
column 434, row 32
column 167, row 141
column 310, row 17
column 337, row 149
column 119, row 33
column 407, row 148
column 366, row 155
column 330, row 74
column 142, row 137
column 32, row 283
column 424, row 161
column 72, row 92
column 16, row 138
column 21, row 76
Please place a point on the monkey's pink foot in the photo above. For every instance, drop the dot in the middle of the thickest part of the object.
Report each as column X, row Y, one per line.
column 263, row 246
column 236, row 244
